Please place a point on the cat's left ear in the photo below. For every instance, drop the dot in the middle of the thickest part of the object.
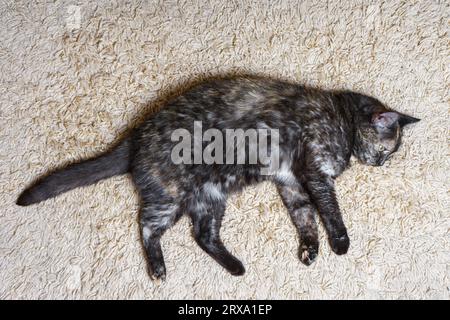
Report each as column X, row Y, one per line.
column 387, row 120
column 405, row 119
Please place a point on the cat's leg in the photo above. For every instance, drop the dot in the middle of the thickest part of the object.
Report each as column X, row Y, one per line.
column 154, row 221
column 303, row 214
column 322, row 192
column 159, row 211
column 206, row 212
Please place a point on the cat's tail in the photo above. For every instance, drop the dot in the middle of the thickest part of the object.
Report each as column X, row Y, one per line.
column 111, row 163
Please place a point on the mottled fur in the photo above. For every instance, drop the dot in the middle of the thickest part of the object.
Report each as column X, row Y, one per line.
column 319, row 131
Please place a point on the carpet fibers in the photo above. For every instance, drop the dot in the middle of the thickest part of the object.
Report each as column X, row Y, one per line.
column 75, row 75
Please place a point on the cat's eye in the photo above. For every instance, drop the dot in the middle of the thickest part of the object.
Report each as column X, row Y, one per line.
column 381, row 148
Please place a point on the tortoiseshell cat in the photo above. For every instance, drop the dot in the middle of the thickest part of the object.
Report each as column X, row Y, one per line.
column 318, row 132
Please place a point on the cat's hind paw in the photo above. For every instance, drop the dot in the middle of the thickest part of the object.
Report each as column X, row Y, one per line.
column 158, row 273
column 236, row 268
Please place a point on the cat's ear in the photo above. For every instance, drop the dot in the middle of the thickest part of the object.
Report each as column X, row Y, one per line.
column 405, row 119
column 385, row 120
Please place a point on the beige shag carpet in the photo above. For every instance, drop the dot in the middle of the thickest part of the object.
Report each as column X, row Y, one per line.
column 75, row 75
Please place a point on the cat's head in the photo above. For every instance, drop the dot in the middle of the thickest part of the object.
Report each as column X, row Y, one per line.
column 378, row 131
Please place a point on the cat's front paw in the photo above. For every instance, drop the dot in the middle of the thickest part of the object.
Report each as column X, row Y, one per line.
column 340, row 244
column 308, row 253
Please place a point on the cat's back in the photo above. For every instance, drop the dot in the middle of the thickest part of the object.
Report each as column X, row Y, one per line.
column 241, row 102
column 233, row 102
column 225, row 95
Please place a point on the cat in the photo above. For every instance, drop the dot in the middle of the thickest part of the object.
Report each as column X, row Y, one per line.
column 318, row 131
